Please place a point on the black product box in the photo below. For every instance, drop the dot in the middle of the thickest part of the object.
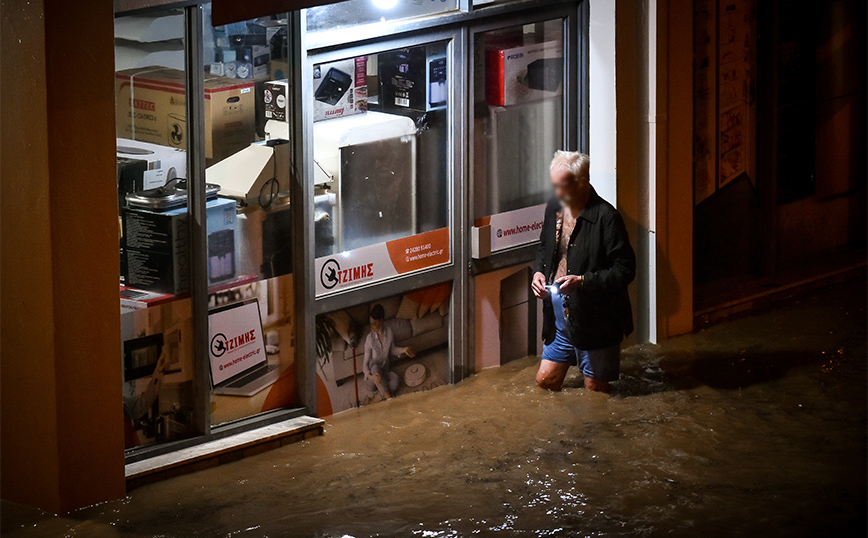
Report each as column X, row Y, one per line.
column 131, row 178
column 402, row 75
column 157, row 251
column 157, row 247
column 545, row 74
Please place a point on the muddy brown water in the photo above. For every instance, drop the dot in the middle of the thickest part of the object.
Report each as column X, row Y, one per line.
column 755, row 427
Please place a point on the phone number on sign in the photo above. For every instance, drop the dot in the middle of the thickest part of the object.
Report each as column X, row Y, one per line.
column 419, row 248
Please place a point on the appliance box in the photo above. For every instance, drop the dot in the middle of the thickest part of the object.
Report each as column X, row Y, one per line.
column 524, row 73
column 164, row 163
column 275, row 97
column 402, row 75
column 340, row 88
column 157, row 247
column 252, row 62
column 151, row 108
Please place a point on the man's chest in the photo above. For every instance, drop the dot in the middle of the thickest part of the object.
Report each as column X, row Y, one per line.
column 577, row 241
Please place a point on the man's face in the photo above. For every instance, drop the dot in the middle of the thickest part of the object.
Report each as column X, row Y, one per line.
column 567, row 188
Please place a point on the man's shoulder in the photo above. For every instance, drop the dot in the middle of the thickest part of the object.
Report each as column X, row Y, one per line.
column 605, row 210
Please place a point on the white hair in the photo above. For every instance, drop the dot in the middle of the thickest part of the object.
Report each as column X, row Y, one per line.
column 575, row 163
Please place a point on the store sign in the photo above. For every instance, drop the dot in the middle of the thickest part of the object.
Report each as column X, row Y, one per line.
column 514, row 228
column 381, row 261
column 236, row 342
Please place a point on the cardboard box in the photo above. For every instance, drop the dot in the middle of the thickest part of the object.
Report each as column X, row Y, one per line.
column 151, row 108
column 524, row 73
column 340, row 88
column 157, row 247
column 276, row 97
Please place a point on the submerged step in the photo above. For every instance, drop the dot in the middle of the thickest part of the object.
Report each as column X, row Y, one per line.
column 220, row 451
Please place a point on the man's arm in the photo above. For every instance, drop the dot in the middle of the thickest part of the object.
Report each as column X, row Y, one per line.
column 540, row 279
column 623, row 268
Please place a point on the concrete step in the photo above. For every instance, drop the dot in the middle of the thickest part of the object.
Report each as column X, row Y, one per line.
column 220, row 451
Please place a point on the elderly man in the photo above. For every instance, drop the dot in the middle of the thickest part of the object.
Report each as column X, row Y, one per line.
column 583, row 266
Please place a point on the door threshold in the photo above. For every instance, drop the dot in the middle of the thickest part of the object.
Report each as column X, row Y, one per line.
column 220, row 451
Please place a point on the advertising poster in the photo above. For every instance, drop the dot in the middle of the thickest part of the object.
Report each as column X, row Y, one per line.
column 251, row 349
column 157, row 359
column 363, row 360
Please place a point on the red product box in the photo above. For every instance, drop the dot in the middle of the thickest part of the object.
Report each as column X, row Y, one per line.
column 519, row 74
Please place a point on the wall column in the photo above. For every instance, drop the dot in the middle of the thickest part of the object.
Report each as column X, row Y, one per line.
column 674, row 167
column 62, row 421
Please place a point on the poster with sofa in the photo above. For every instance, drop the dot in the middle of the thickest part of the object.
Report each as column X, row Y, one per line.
column 386, row 348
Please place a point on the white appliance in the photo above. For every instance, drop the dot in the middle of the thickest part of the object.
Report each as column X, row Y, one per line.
column 368, row 163
column 164, row 163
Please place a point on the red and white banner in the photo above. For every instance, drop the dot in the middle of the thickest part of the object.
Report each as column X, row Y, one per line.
column 382, row 260
column 514, row 228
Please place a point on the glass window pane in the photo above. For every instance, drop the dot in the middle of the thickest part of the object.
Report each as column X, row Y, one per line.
column 248, row 105
column 156, row 322
column 518, row 125
column 359, row 12
column 381, row 157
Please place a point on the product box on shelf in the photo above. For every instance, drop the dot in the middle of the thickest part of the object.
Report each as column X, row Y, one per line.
column 340, row 88
column 524, row 73
column 275, row 97
column 151, row 108
column 251, row 62
column 157, row 247
column 403, row 74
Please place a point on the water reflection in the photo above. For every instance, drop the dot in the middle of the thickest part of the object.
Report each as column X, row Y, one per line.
column 752, row 428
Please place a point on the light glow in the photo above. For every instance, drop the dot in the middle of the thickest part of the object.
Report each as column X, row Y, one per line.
column 384, row 4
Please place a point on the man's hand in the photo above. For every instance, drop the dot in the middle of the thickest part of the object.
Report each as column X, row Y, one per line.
column 538, row 285
column 409, row 352
column 568, row 284
column 377, row 378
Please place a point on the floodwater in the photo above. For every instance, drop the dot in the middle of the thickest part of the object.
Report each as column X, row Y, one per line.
column 755, row 427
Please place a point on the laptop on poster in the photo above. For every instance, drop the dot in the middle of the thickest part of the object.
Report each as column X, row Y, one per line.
column 239, row 364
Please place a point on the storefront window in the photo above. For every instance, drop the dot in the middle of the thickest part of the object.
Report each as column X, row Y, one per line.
column 384, row 348
column 359, row 12
column 156, row 320
column 381, row 157
column 385, row 142
column 249, row 226
column 518, row 123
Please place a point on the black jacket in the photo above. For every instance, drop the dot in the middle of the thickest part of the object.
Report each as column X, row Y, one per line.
column 599, row 312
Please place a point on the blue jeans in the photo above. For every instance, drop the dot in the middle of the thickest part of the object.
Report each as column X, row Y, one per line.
column 601, row 364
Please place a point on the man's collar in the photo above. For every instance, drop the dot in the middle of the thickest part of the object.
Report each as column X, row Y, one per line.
column 591, row 211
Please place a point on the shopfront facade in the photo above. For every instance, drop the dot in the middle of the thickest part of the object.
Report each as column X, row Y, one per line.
column 355, row 155
column 290, row 181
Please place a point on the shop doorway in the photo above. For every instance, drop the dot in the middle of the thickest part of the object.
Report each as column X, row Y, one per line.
column 779, row 131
